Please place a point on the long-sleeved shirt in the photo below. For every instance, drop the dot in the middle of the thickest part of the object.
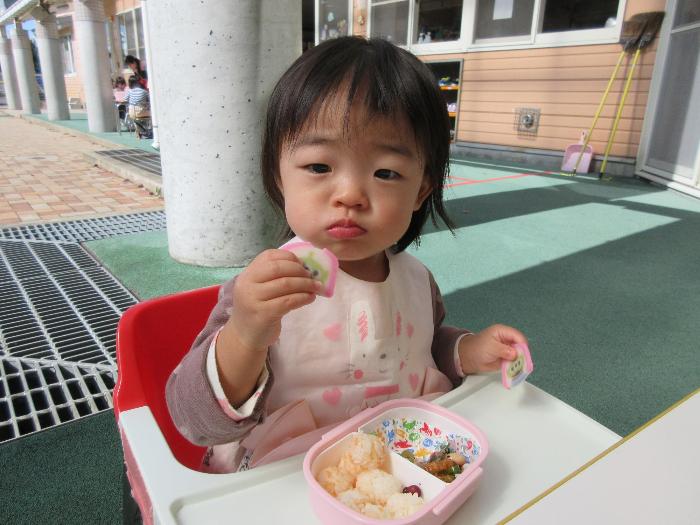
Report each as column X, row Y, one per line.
column 369, row 343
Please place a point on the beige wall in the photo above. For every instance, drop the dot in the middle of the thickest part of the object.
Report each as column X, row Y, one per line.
column 566, row 83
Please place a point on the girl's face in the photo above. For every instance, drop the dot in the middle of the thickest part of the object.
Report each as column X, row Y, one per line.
column 353, row 189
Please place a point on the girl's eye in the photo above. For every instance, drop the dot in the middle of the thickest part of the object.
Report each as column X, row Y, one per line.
column 318, row 168
column 386, row 174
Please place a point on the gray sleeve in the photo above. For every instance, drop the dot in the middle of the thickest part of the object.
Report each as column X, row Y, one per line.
column 444, row 338
column 190, row 398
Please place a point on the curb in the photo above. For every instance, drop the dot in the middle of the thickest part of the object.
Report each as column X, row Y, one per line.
column 151, row 182
column 107, row 144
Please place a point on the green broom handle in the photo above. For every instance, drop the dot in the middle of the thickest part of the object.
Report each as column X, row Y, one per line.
column 619, row 111
column 600, row 109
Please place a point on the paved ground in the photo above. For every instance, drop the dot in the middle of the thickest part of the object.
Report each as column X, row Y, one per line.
column 44, row 177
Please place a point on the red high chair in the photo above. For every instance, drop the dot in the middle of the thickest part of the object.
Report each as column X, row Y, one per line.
column 152, row 338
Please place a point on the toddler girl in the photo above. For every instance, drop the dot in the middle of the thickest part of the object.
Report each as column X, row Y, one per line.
column 355, row 153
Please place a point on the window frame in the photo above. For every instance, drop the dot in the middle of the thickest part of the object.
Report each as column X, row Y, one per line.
column 129, row 18
column 67, row 34
column 70, row 55
column 535, row 40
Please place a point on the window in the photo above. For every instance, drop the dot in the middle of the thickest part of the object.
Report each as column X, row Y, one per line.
column 430, row 21
column 574, row 15
column 437, row 21
column 389, row 20
column 67, row 52
column 64, row 24
column 440, row 26
column 333, row 19
column 504, row 19
column 500, row 22
column 141, row 42
column 131, row 39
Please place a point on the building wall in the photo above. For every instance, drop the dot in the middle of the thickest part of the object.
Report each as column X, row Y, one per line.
column 565, row 83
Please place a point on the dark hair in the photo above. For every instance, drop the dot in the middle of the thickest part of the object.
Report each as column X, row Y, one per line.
column 393, row 82
column 119, row 81
column 131, row 59
column 134, row 81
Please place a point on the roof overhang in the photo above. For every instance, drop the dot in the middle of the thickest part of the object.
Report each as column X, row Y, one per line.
column 19, row 10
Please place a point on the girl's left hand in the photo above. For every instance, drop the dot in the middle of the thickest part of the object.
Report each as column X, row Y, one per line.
column 483, row 351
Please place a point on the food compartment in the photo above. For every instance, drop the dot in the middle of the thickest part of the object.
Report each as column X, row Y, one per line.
column 430, row 441
column 359, row 487
column 399, row 428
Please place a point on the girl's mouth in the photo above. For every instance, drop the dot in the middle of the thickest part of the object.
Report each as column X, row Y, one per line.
column 345, row 229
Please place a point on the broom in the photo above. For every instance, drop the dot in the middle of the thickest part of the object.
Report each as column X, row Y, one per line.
column 651, row 27
column 632, row 30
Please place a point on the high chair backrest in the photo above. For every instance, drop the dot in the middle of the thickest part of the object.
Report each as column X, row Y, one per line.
column 152, row 338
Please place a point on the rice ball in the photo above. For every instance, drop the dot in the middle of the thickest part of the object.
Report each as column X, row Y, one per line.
column 373, row 511
column 402, row 505
column 354, row 499
column 365, row 452
column 378, row 485
column 335, row 480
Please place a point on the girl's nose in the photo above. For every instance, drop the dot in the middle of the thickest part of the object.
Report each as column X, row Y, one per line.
column 350, row 193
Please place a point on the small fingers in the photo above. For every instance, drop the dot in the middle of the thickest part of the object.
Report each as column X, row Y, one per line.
column 280, row 306
column 508, row 335
column 273, row 264
column 283, row 286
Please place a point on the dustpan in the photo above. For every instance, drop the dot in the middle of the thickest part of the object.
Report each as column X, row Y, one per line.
column 572, row 153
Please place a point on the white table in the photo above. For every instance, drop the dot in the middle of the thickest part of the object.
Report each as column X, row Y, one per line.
column 535, row 440
column 650, row 478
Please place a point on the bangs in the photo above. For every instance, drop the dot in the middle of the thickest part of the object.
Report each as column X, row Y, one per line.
column 346, row 78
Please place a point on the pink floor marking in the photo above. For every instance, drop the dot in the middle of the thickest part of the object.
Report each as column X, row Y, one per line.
column 464, row 182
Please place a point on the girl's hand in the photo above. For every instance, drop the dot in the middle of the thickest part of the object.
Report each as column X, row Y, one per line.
column 483, row 351
column 271, row 286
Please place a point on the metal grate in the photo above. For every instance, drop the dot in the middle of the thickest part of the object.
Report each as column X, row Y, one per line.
column 59, row 312
column 39, row 394
column 87, row 229
column 144, row 160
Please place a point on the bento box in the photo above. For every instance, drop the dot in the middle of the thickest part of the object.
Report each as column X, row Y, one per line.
column 412, row 434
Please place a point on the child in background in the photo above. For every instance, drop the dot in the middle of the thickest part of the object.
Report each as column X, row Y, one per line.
column 355, row 154
column 120, row 91
column 139, row 105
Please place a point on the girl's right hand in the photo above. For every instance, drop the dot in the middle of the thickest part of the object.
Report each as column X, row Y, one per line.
column 272, row 285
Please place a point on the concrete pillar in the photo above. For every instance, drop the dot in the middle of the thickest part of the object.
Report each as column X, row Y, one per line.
column 89, row 22
column 215, row 65
column 149, row 66
column 49, row 46
column 24, row 65
column 9, row 75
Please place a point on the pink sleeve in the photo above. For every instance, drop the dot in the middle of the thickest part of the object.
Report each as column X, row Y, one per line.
column 445, row 339
column 192, row 403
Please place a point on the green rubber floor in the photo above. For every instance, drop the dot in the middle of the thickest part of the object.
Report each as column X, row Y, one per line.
column 78, row 122
column 601, row 276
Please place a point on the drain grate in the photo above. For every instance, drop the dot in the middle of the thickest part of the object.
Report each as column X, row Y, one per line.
column 144, row 160
column 38, row 394
column 30, row 259
column 59, row 312
column 83, row 230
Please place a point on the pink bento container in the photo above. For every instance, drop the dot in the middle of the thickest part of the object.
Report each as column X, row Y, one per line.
column 404, row 424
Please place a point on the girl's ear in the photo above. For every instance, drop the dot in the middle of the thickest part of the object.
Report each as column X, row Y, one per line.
column 425, row 190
